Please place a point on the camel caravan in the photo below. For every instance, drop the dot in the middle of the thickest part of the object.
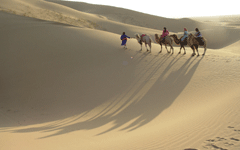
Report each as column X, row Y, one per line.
column 193, row 41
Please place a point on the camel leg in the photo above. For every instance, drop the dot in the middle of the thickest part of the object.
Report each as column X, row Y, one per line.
column 184, row 50
column 172, row 49
column 161, row 49
column 167, row 49
column 192, row 47
column 141, row 47
column 180, row 50
column 205, row 49
column 146, row 47
column 150, row 46
column 196, row 46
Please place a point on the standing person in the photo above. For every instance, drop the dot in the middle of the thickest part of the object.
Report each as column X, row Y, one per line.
column 124, row 39
column 185, row 34
column 164, row 34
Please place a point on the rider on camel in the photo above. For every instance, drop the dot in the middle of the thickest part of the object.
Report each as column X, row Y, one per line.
column 185, row 34
column 198, row 35
column 164, row 34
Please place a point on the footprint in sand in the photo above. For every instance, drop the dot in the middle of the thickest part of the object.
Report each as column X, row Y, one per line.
column 221, row 143
column 234, row 139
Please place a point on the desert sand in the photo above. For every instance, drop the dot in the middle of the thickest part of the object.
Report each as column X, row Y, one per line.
column 67, row 84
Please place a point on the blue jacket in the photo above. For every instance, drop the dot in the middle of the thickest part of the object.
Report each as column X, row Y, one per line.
column 124, row 39
column 198, row 34
column 185, row 35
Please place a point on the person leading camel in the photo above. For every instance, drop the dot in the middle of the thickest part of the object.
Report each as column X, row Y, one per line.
column 164, row 34
column 124, row 40
column 185, row 34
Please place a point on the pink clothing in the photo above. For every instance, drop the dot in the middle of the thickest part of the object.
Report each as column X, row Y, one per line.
column 143, row 35
column 165, row 33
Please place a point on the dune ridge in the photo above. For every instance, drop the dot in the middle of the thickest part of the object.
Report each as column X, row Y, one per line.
column 72, row 86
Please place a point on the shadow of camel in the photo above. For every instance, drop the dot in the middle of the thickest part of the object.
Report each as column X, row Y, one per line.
column 143, row 108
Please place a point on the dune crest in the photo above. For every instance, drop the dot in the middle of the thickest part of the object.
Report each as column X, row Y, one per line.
column 48, row 11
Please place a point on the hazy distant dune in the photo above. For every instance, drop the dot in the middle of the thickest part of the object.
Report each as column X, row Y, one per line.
column 133, row 17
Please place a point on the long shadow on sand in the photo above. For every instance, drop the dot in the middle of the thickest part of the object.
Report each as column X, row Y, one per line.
column 144, row 108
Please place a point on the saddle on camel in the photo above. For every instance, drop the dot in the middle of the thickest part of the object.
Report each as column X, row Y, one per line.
column 142, row 38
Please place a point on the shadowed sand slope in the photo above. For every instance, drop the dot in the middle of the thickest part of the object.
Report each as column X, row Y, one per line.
column 65, row 87
column 50, row 66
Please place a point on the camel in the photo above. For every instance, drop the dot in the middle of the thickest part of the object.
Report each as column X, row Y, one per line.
column 194, row 43
column 144, row 38
column 179, row 41
column 168, row 40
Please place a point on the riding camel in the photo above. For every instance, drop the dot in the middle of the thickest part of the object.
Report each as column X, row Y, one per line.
column 144, row 38
column 168, row 40
column 179, row 41
column 194, row 43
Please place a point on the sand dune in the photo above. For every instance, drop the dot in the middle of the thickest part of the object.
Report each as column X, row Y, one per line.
column 132, row 17
column 66, row 83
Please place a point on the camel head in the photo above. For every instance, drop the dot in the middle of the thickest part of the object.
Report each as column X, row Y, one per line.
column 137, row 35
column 138, row 38
column 157, row 38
